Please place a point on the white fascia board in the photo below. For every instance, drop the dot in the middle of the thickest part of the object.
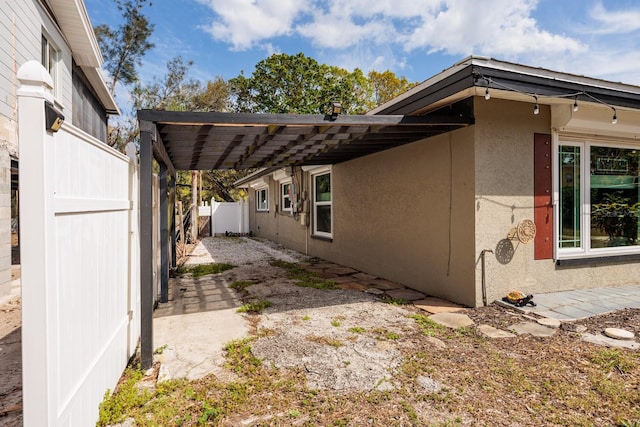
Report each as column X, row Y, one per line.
column 76, row 27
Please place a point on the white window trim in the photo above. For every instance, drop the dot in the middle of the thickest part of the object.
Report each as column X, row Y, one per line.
column 282, row 196
column 584, row 251
column 266, row 190
column 321, row 170
column 54, row 72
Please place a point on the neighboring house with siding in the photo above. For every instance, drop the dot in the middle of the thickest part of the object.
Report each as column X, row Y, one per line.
column 552, row 149
column 60, row 35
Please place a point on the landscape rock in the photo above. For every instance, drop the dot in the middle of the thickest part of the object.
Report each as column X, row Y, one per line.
column 491, row 332
column 610, row 342
column 452, row 320
column 572, row 327
column 619, row 334
column 405, row 294
column 547, row 321
column 532, row 328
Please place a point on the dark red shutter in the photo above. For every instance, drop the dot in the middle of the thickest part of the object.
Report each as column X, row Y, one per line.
column 543, row 209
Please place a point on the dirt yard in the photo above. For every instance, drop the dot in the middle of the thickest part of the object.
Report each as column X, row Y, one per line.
column 322, row 355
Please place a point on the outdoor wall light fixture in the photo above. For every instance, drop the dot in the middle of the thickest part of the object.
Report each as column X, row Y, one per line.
column 53, row 117
column 536, row 108
column 487, row 95
column 614, row 119
column 575, row 104
column 336, row 109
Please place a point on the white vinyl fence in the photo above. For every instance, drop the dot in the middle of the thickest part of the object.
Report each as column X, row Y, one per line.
column 80, row 263
column 232, row 217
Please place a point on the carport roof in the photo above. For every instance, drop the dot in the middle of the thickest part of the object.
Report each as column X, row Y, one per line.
column 203, row 140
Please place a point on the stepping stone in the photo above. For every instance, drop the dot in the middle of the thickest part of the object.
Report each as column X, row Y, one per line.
column 619, row 334
column 342, row 271
column 572, row 327
column 547, row 321
column 452, row 320
column 364, row 276
column 385, row 285
column 405, row 294
column 437, row 305
column 533, row 329
column 610, row 342
column 374, row 291
column 353, row 286
column 491, row 332
column 342, row 279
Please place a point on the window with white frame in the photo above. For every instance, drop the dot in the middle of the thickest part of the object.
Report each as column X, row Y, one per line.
column 49, row 58
column 322, row 209
column 285, row 195
column 262, row 199
column 598, row 198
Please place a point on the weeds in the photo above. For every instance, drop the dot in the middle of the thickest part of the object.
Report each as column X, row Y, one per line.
column 240, row 359
column 241, row 285
column 357, row 330
column 325, row 341
column 428, row 326
column 304, row 278
column 611, row 358
column 114, row 407
column 255, row 306
column 204, row 269
column 393, row 301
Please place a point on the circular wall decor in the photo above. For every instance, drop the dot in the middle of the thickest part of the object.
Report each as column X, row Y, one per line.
column 526, row 231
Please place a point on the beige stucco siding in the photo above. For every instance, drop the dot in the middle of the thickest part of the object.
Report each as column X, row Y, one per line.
column 392, row 215
column 504, row 135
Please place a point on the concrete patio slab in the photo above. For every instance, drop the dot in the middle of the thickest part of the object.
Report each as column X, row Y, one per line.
column 582, row 303
column 437, row 305
column 194, row 342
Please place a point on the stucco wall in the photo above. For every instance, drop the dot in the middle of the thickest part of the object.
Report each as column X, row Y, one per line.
column 392, row 216
column 504, row 135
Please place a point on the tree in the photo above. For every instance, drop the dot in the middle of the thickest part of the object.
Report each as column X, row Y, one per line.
column 387, row 85
column 299, row 84
column 124, row 47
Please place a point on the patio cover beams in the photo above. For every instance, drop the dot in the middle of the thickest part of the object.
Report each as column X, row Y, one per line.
column 203, row 141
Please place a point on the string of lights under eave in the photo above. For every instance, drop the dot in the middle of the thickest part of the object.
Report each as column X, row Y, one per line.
column 536, row 108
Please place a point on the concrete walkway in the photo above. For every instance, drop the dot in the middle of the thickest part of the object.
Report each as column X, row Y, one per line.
column 583, row 303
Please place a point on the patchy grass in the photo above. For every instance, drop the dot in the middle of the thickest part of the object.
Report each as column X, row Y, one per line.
column 204, row 269
column 610, row 359
column 393, row 301
column 427, row 326
column 525, row 380
column 241, row 285
column 325, row 341
column 255, row 306
column 304, row 278
column 124, row 400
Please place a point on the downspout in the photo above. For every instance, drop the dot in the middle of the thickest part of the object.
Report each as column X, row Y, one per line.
column 484, row 275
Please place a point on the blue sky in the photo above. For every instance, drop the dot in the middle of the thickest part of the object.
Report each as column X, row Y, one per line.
column 414, row 38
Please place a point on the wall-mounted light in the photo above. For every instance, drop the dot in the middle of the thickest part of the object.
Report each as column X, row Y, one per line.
column 487, row 95
column 614, row 119
column 536, row 108
column 53, row 117
column 575, row 104
column 336, row 109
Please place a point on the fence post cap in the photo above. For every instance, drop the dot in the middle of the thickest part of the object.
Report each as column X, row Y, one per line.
column 33, row 73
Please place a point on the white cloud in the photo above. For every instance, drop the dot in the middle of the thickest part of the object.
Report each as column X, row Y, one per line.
column 615, row 22
column 244, row 23
column 493, row 27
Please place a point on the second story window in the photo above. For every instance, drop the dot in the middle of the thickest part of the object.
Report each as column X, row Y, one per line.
column 49, row 59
